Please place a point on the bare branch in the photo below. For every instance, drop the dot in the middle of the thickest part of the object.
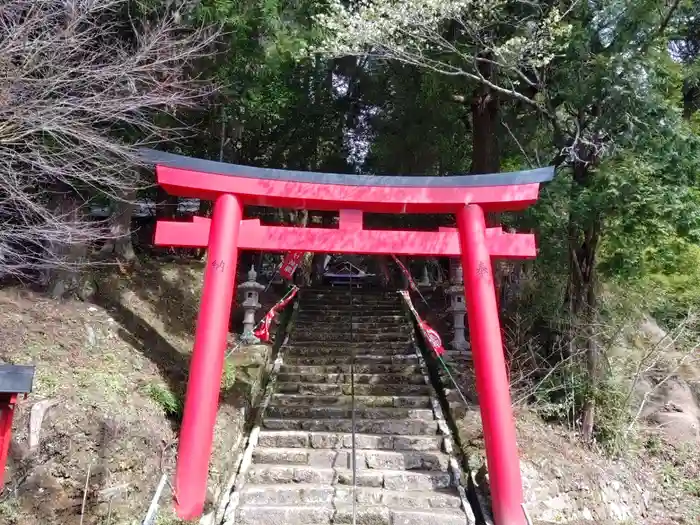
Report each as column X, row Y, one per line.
column 82, row 87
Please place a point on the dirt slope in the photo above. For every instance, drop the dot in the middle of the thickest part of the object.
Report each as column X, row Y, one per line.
column 116, row 371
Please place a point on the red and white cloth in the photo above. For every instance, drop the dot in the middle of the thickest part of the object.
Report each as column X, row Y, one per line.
column 263, row 331
column 290, row 264
column 431, row 336
column 406, row 273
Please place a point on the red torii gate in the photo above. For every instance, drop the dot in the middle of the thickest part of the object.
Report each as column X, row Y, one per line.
column 233, row 186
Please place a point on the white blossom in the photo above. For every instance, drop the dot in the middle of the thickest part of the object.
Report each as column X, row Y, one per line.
column 449, row 37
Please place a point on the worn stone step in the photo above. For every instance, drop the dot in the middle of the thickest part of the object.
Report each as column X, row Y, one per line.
column 358, row 359
column 287, row 494
column 321, row 458
column 410, row 368
column 366, row 324
column 309, row 494
column 343, row 303
column 343, row 332
column 388, row 479
column 411, row 378
column 343, row 440
column 343, row 351
column 343, row 423
column 279, row 515
column 314, row 338
column 382, row 515
column 419, row 500
column 346, row 400
column 342, row 458
column 356, row 313
column 317, row 338
column 395, row 479
column 344, row 389
column 346, row 343
column 321, row 316
column 345, row 412
column 276, row 474
column 338, row 294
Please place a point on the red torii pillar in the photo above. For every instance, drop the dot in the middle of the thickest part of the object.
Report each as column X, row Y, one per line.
column 227, row 232
column 492, row 382
column 206, row 367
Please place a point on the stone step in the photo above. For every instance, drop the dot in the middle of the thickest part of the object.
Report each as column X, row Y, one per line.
column 388, row 479
column 347, row 389
column 279, row 515
column 309, row 494
column 287, row 494
column 303, row 351
column 344, row 311
column 343, row 514
column 316, row 400
column 343, row 296
column 366, row 323
column 359, row 359
column 342, row 330
column 314, row 337
column 343, row 301
column 404, row 368
column 345, row 412
column 321, row 458
column 411, row 378
column 340, row 343
column 357, row 317
column 343, row 423
column 382, row 515
column 343, row 440
column 419, row 500
column 342, row 458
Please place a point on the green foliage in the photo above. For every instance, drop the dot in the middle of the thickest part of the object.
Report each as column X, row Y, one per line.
column 170, row 402
column 229, row 376
column 592, row 89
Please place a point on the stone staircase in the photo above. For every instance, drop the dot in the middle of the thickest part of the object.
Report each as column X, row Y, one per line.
column 301, row 471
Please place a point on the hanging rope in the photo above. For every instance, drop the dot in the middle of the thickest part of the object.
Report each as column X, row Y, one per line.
column 262, row 327
column 431, row 337
column 352, row 409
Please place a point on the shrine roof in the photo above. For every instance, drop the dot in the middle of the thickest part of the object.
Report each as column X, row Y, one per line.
column 206, row 179
column 533, row 176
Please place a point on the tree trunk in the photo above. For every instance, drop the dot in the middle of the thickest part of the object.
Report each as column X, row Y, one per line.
column 119, row 242
column 64, row 278
column 691, row 98
column 485, row 110
column 584, row 237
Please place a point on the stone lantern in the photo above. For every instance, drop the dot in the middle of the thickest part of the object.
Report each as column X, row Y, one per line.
column 251, row 292
column 457, row 306
column 425, row 278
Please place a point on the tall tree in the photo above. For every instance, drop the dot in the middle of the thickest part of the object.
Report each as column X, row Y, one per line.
column 593, row 75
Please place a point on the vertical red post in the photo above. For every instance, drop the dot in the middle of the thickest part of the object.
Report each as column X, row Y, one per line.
column 7, row 410
column 206, row 366
column 492, row 382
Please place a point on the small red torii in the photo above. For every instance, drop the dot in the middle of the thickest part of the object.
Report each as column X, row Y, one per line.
column 232, row 186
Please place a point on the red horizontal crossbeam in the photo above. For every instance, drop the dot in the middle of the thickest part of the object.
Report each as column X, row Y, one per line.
column 255, row 236
column 315, row 196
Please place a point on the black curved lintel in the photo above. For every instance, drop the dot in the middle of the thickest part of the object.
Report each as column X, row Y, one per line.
column 16, row 379
column 535, row 176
